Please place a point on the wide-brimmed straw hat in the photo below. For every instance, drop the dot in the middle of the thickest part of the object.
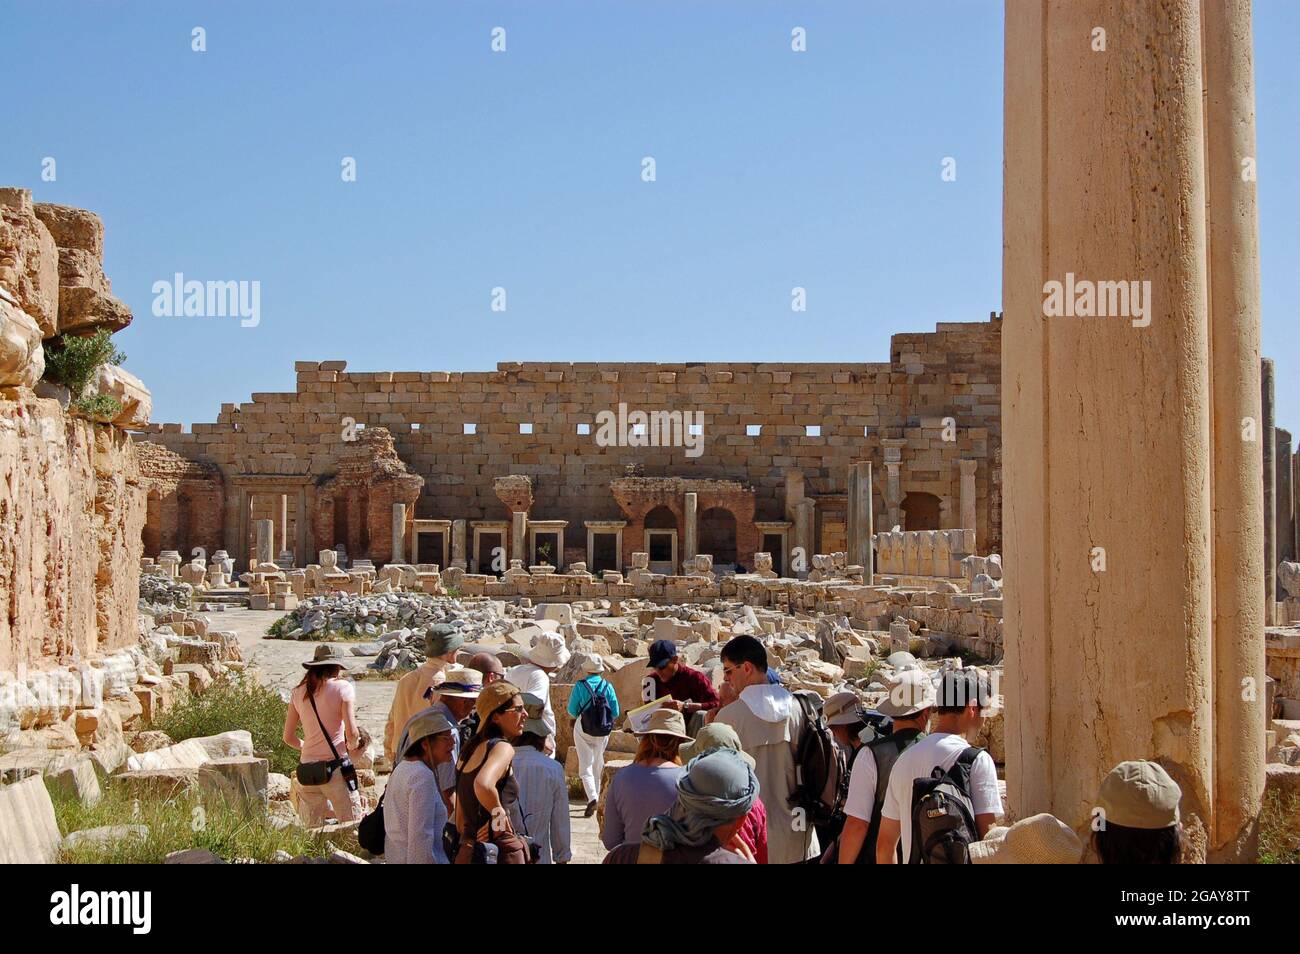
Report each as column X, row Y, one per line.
column 660, row 721
column 460, row 682
column 327, row 655
column 842, row 708
column 1038, row 840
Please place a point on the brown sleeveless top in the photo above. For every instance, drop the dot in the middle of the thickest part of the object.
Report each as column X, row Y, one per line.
column 474, row 815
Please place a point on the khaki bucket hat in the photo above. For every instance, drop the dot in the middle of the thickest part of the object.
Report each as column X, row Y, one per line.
column 660, row 721
column 1139, row 794
column 327, row 655
column 536, row 707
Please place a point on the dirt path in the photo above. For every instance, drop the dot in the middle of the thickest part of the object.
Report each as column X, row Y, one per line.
column 280, row 664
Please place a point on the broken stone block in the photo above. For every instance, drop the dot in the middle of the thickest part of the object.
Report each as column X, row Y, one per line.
column 161, row 783
column 241, row 780
column 192, row 856
column 22, row 359
column 29, row 832
column 76, row 776
column 105, row 835
column 187, row 754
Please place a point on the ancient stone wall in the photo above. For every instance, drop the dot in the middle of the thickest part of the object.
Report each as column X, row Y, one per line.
column 953, row 372
column 71, row 516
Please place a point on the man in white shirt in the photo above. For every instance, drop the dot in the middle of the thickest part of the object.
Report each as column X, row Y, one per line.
column 911, row 697
column 547, row 654
column 962, row 696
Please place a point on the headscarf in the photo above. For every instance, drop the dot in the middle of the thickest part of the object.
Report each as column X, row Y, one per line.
column 716, row 788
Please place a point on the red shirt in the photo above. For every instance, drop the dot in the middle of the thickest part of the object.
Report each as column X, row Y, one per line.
column 753, row 831
column 688, row 685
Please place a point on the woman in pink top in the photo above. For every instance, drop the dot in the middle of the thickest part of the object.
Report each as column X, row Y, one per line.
column 334, row 707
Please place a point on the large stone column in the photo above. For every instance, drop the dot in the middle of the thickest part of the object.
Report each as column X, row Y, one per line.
column 1269, row 440
column 265, row 541
column 1282, row 469
column 804, row 534
column 284, row 522
column 1132, row 624
column 458, row 544
column 691, row 541
column 966, row 516
column 860, row 517
column 519, row 537
column 399, row 534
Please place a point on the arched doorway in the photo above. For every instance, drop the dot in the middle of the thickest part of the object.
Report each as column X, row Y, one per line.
column 920, row 511
column 718, row 536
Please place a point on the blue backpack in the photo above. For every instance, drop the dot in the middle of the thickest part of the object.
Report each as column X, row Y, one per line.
column 596, row 716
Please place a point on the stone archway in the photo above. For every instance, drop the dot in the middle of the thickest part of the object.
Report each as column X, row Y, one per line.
column 921, row 511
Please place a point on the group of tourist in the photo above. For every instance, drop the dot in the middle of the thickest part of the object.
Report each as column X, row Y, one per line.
column 719, row 777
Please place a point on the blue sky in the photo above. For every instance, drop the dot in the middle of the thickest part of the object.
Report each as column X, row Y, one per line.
column 523, row 170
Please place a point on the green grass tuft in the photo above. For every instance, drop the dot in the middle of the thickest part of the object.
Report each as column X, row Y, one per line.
column 1279, row 834
column 176, row 824
column 234, row 703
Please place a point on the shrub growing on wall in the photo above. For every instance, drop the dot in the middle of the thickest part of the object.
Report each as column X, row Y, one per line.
column 74, row 361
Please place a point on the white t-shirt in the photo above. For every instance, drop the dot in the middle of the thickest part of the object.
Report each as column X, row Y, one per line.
column 862, row 786
column 939, row 749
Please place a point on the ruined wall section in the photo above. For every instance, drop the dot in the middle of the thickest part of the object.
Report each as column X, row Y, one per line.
column 952, row 372
column 71, row 516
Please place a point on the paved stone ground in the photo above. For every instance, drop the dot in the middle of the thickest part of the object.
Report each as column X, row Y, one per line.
column 280, row 665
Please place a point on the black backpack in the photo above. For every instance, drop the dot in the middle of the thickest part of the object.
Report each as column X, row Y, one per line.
column 820, row 766
column 596, row 716
column 943, row 816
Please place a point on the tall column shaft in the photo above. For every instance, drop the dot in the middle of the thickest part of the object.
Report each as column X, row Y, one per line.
column 860, row 517
column 691, row 542
column 1234, row 319
column 398, row 554
column 1269, row 455
column 1111, row 646
column 967, row 504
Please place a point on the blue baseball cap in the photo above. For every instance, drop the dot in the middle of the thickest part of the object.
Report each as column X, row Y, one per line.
column 662, row 652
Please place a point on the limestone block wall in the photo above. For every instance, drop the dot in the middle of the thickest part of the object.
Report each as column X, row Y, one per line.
column 71, row 517
column 953, row 372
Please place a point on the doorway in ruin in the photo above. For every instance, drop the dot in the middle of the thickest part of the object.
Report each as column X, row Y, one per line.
column 718, row 536
column 661, row 540
column 546, row 549
column 488, row 543
column 604, row 552
column 183, row 528
column 832, row 531
column 920, row 511
column 340, row 521
column 153, row 524
column 774, row 543
column 430, row 545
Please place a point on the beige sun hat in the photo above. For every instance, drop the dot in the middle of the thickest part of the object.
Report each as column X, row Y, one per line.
column 1139, row 794
column 660, row 721
column 548, row 651
column 910, row 691
column 327, row 655
column 1038, row 840
column 842, row 708
column 460, row 682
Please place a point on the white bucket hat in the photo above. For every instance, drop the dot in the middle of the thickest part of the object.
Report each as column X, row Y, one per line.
column 548, row 651
column 1037, row 840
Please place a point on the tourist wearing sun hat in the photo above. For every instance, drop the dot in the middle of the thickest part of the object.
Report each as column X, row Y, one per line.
column 543, row 790
column 324, row 704
column 547, row 654
column 911, row 697
column 585, row 698
column 719, row 735
column 649, row 785
column 714, row 797
column 1137, row 816
column 415, row 814
column 1037, row 840
column 486, row 789
column 441, row 643
column 453, row 695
